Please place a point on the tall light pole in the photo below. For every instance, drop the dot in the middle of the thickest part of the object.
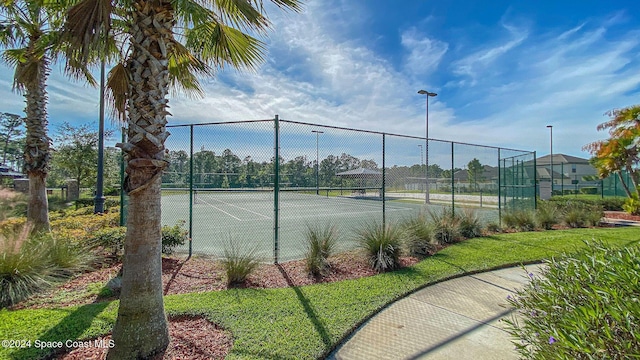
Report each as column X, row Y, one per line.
column 426, row 193
column 98, row 201
column 551, row 155
column 317, row 132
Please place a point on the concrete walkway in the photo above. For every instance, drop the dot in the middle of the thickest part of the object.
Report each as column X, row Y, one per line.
column 455, row 319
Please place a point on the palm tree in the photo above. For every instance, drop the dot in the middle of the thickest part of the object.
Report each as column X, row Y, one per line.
column 28, row 34
column 168, row 44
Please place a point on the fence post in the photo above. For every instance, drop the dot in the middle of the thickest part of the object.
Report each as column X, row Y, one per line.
column 382, row 191
column 122, row 207
column 190, row 190
column 535, row 192
column 276, row 188
column 453, row 181
column 499, row 190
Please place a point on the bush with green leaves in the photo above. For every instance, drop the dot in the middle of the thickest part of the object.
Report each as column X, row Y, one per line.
column 579, row 214
column 469, row 223
column 239, row 262
column 521, row 220
column 30, row 263
column 110, row 239
column 382, row 244
column 547, row 214
column 321, row 242
column 418, row 234
column 446, row 226
column 583, row 306
column 632, row 205
column 173, row 236
column 610, row 203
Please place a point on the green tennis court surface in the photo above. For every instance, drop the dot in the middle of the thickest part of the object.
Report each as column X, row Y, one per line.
column 247, row 218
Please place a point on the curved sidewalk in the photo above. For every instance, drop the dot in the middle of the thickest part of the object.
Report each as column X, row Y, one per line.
column 454, row 319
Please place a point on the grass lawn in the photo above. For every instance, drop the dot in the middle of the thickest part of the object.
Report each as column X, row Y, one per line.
column 306, row 322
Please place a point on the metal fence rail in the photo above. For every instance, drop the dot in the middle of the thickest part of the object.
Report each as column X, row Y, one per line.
column 261, row 183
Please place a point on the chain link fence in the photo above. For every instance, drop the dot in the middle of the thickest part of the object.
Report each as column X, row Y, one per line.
column 261, row 183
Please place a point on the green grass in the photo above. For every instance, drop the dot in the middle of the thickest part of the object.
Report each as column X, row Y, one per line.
column 307, row 322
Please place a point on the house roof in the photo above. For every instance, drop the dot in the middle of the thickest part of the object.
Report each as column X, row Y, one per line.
column 561, row 159
column 6, row 171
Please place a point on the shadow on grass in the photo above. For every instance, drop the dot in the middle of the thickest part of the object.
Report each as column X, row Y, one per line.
column 70, row 327
column 308, row 308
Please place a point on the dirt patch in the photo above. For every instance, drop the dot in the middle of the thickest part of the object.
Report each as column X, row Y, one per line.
column 621, row 215
column 191, row 338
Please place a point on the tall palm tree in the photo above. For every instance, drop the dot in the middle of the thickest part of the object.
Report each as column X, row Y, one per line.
column 167, row 45
column 28, row 34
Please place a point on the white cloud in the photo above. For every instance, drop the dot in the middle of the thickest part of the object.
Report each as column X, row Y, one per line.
column 425, row 54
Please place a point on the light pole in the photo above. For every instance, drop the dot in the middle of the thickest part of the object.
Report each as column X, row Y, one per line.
column 426, row 140
column 317, row 132
column 551, row 155
column 98, row 201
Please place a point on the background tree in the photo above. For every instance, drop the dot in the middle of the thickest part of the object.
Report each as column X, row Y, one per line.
column 28, row 33
column 10, row 128
column 621, row 151
column 154, row 61
column 476, row 171
column 76, row 153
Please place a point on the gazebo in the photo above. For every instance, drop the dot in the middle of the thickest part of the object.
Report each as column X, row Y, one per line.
column 366, row 179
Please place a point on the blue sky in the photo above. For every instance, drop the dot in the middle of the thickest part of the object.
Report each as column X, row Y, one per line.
column 503, row 70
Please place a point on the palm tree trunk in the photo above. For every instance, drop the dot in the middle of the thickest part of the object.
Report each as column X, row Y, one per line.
column 141, row 327
column 37, row 149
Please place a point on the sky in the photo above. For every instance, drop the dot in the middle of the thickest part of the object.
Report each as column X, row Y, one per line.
column 503, row 71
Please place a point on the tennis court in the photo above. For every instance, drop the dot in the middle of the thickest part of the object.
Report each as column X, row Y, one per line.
column 247, row 218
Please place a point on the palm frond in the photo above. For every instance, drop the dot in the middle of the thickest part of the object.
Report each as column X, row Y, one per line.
column 241, row 14
column 184, row 69
column 116, row 93
column 86, row 23
column 221, row 44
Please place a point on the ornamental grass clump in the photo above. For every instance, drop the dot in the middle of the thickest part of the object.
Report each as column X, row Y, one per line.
column 239, row 263
column 321, row 242
column 418, row 234
column 521, row 220
column 382, row 244
column 578, row 214
column 469, row 223
column 446, row 226
column 30, row 263
column 583, row 306
column 547, row 214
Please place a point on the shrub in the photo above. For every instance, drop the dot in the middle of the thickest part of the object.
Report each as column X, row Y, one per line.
column 547, row 214
column 469, row 224
column 418, row 234
column 110, row 239
column 579, row 214
column 593, row 190
column 31, row 263
column 321, row 243
column 494, row 227
column 446, row 226
column 239, row 263
column 632, row 205
column 25, row 267
column 521, row 220
column 382, row 244
column 584, row 306
column 173, row 236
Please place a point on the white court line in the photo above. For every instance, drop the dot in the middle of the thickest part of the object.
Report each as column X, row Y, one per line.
column 355, row 213
column 220, row 210
column 241, row 208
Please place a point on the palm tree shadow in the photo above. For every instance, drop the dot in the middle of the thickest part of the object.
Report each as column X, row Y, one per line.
column 308, row 308
column 69, row 328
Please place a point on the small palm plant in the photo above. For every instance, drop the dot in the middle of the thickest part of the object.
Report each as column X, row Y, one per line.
column 239, row 263
column 382, row 244
column 321, row 243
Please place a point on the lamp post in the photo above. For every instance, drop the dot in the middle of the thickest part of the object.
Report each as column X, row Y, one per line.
column 317, row 132
column 551, row 156
column 98, row 201
column 426, row 193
